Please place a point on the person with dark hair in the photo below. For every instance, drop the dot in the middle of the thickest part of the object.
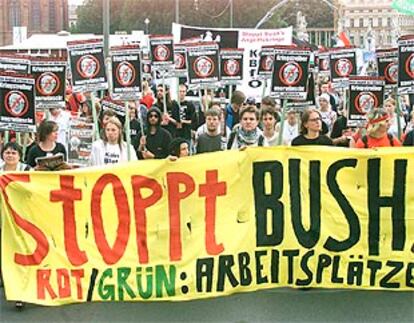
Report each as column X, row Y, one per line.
column 155, row 144
column 179, row 148
column 247, row 133
column 341, row 133
column 311, row 129
column 377, row 135
column 211, row 139
column 134, row 125
column 187, row 111
column 232, row 110
column 86, row 113
column 12, row 156
column 269, row 118
column 48, row 145
column 171, row 119
column 268, row 102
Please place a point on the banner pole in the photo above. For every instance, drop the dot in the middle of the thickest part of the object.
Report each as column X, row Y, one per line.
column 18, row 138
column 141, row 121
column 264, row 88
column 397, row 112
column 230, row 92
column 127, row 130
column 200, row 97
column 164, row 95
column 25, row 139
column 178, row 90
column 345, row 99
column 282, row 122
column 6, row 136
column 95, row 116
column 207, row 100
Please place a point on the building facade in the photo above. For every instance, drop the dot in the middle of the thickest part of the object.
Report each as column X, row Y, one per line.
column 373, row 23
column 39, row 16
column 73, row 16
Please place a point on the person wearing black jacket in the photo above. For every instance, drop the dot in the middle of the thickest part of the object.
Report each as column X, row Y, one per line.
column 134, row 126
column 155, row 144
column 187, row 111
column 171, row 119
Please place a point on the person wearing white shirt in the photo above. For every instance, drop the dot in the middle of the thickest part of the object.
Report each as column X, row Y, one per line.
column 389, row 105
column 62, row 118
column 111, row 149
column 290, row 128
column 268, row 118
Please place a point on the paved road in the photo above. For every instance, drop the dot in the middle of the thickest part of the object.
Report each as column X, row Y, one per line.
column 264, row 306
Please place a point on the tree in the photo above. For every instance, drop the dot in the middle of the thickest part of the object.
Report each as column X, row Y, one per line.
column 130, row 14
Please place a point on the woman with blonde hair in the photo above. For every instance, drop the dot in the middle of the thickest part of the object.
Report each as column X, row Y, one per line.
column 389, row 106
column 111, row 149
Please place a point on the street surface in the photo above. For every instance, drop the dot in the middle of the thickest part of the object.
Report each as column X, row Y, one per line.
column 278, row 305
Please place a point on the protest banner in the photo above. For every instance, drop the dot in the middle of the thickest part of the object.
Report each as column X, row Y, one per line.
column 17, row 106
column 231, row 65
column 290, row 73
column 116, row 106
column 266, row 59
column 251, row 40
column 365, row 94
column 146, row 69
column 203, row 63
column 87, row 65
column 342, row 65
column 211, row 225
column 180, row 61
column 162, row 52
column 406, row 64
column 322, row 59
column 387, row 62
column 80, row 135
column 50, row 80
column 126, row 72
column 16, row 64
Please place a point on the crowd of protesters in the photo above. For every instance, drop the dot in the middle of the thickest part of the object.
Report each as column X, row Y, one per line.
column 184, row 127
column 189, row 126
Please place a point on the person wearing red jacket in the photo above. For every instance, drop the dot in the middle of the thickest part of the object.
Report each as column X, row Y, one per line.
column 377, row 131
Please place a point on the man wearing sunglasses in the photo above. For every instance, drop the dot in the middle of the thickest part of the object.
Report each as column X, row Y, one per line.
column 155, row 144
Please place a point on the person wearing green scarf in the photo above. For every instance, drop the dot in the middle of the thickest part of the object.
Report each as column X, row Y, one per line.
column 247, row 132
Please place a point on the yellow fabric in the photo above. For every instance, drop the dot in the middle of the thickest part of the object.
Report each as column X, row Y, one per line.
column 242, row 252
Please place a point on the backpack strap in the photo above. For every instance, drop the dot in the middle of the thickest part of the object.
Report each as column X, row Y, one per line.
column 365, row 141
column 260, row 142
column 231, row 139
column 391, row 139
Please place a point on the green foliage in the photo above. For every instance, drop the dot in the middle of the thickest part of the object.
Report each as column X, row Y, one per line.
column 130, row 14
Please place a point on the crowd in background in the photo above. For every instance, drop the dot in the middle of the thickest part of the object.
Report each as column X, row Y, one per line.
column 188, row 126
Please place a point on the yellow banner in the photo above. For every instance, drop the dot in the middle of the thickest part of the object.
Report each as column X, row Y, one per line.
column 211, row 225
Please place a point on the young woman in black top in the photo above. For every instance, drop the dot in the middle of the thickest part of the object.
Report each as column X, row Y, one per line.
column 47, row 145
column 311, row 129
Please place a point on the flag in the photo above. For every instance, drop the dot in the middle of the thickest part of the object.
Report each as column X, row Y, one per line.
column 342, row 40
